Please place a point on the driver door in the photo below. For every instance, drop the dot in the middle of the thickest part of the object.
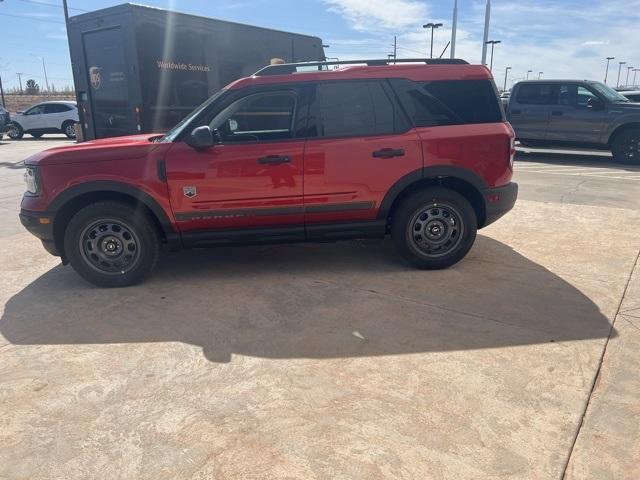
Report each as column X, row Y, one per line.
column 252, row 178
column 33, row 118
column 578, row 115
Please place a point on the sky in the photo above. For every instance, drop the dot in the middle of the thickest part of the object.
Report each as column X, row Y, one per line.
column 562, row 38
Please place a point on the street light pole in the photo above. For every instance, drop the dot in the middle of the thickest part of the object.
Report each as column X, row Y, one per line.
column 635, row 72
column 619, row 70
column 506, row 72
column 492, row 43
column 528, row 72
column 485, row 37
column 626, row 84
column 540, row 75
column 432, row 26
column 606, row 73
column 454, row 28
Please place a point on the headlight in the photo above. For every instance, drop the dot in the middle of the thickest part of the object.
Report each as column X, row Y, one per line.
column 31, row 180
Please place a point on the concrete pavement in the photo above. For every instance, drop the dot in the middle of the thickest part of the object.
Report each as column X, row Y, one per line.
column 334, row 360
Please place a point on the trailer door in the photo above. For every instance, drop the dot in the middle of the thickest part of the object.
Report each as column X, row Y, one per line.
column 109, row 111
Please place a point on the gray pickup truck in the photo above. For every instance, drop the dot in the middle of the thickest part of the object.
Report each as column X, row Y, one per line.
column 575, row 113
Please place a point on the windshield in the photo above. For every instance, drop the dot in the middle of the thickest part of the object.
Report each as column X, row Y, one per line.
column 172, row 134
column 608, row 92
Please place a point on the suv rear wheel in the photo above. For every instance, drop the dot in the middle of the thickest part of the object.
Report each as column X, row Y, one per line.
column 69, row 129
column 111, row 244
column 434, row 228
column 626, row 146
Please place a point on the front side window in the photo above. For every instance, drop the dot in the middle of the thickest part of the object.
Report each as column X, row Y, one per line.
column 37, row 110
column 451, row 102
column 258, row 117
column 574, row 96
column 535, row 94
column 348, row 109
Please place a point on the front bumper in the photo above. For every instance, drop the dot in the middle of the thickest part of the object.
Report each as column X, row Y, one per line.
column 499, row 201
column 40, row 224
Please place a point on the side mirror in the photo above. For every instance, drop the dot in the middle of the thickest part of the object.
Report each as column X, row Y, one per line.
column 595, row 103
column 201, row 138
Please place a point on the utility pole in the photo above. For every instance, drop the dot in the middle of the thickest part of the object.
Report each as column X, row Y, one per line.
column 606, row 73
column 619, row 70
column 395, row 47
column 20, row 81
column 626, row 84
column 2, row 92
column 493, row 43
column 44, row 69
column 485, row 38
column 432, row 26
column 506, row 72
column 454, row 28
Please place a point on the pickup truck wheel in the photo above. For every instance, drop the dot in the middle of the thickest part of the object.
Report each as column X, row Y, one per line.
column 15, row 131
column 111, row 244
column 69, row 129
column 626, row 147
column 434, row 228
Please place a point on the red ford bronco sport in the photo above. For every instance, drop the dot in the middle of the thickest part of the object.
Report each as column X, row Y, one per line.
column 418, row 150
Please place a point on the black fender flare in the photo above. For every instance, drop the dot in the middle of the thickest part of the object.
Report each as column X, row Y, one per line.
column 173, row 238
column 435, row 172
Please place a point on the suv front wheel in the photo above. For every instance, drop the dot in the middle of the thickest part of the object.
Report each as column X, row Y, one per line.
column 111, row 244
column 434, row 228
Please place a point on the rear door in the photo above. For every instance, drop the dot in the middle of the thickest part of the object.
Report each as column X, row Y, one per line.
column 55, row 114
column 361, row 145
column 578, row 115
column 530, row 110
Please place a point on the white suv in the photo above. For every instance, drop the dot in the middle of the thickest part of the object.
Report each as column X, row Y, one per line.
column 46, row 117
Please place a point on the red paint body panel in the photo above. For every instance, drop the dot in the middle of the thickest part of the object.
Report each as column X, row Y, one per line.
column 483, row 149
column 340, row 171
column 228, row 178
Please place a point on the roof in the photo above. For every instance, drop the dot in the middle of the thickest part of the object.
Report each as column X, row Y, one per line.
column 416, row 72
column 64, row 102
column 558, row 80
column 130, row 7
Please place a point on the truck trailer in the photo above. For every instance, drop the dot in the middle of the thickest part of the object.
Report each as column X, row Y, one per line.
column 140, row 69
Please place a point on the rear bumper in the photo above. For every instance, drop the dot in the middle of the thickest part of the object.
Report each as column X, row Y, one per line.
column 499, row 201
column 40, row 224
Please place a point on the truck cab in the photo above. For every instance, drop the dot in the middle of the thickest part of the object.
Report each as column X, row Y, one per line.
column 575, row 113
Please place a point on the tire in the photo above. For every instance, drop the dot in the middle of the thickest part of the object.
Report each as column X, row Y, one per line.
column 69, row 129
column 434, row 228
column 626, row 146
column 36, row 134
column 111, row 244
column 15, row 131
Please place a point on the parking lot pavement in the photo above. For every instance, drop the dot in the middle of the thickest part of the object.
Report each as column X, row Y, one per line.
column 336, row 360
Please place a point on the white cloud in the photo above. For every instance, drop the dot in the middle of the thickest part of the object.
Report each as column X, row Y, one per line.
column 592, row 43
column 379, row 14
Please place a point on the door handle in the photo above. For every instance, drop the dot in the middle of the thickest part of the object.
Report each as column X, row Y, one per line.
column 556, row 113
column 274, row 160
column 388, row 153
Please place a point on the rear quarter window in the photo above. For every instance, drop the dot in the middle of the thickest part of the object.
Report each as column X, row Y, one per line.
column 450, row 102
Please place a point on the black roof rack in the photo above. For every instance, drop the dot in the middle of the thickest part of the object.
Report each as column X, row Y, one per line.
column 287, row 68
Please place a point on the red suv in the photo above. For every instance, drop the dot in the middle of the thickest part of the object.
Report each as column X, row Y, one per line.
column 296, row 152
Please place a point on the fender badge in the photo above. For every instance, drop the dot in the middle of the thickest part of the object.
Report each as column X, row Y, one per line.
column 190, row 191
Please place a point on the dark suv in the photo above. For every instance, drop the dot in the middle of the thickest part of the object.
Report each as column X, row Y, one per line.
column 295, row 152
column 575, row 113
column 5, row 118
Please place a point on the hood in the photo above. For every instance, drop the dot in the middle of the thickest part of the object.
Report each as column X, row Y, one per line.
column 106, row 149
column 628, row 106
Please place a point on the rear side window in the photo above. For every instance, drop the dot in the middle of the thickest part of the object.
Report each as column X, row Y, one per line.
column 355, row 109
column 451, row 102
column 535, row 94
column 56, row 108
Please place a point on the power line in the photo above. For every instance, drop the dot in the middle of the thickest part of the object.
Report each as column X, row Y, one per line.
column 27, row 17
column 51, row 5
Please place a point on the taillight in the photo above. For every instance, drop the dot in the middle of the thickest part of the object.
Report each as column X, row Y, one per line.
column 512, row 151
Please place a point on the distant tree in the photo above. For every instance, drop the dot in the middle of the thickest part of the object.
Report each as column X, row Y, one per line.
column 32, row 87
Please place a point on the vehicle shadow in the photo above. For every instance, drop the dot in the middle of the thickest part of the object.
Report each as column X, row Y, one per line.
column 338, row 300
